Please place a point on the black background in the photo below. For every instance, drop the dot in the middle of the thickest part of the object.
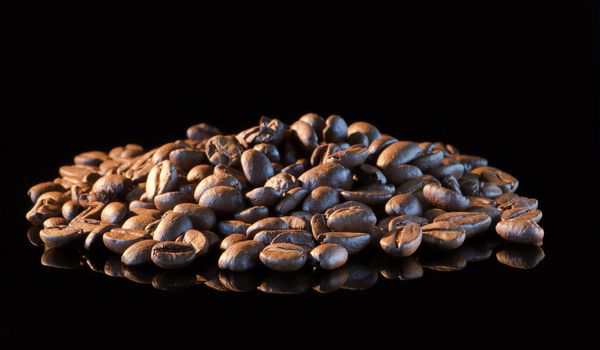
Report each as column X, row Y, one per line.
column 517, row 85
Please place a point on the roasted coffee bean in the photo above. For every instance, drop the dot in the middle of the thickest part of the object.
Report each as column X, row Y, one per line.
column 199, row 240
column 118, row 240
column 353, row 219
column 114, row 213
column 267, row 236
column 257, row 167
column 215, row 180
column 291, row 200
column 368, row 175
column 56, row 221
column 36, row 191
column 304, row 135
column 504, row 180
column 186, row 159
column 335, row 129
column 140, row 204
column 519, row 202
column 350, row 157
column 168, row 200
column 232, row 239
column 399, row 222
column 201, row 132
column 266, row 224
column 403, row 204
column 472, row 223
column 403, row 242
column 488, row 210
column 60, row 236
column 171, row 225
column 368, row 197
column 354, row 242
column 201, row 218
column 172, row 255
column 444, row 198
column 228, row 227
column 252, row 214
column 138, row 253
column 328, row 174
column 323, row 152
column 70, row 209
column 95, row 238
column 298, row 237
column 400, row 152
column 455, row 170
column 443, row 234
column 282, row 182
column 520, row 231
column 264, row 196
column 366, row 128
column 268, row 150
column 297, row 168
column 329, row 256
column 285, row 257
column 241, row 256
column 223, row 150
column 296, row 222
column 48, row 205
column 400, row 173
column 320, row 199
column 520, row 256
column 534, row 215
column 162, row 178
column 222, row 199
column 199, row 173
column 505, row 197
column 429, row 160
column 318, row 225
column 345, row 205
column 138, row 222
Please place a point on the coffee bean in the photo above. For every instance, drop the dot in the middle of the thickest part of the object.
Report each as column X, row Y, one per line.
column 328, row 174
column 429, row 160
column 335, row 129
column 201, row 132
column 60, row 236
column 118, row 240
column 291, row 200
column 56, row 221
column 399, row 222
column 519, row 202
column 403, row 204
column 403, row 242
column 198, row 240
column 263, row 196
column 350, row 157
column 172, row 255
column 168, row 200
column 353, row 219
column 455, row 170
column 284, row 257
column 257, row 167
column 443, row 234
column 400, row 173
column 252, row 214
column 354, row 242
column 138, row 222
column 520, row 231
column 241, row 256
column 520, row 256
column 186, row 159
column 171, row 225
column 266, row 224
column 534, row 215
column 472, row 223
column 114, row 213
column 199, row 173
column 504, row 180
column 36, row 191
column 400, row 152
column 372, row 198
column 223, row 150
column 162, row 178
column 365, row 128
column 444, row 198
column 228, row 227
column 214, row 181
column 320, row 199
column 232, row 239
column 282, row 182
column 138, row 253
column 95, row 238
column 201, row 218
column 298, row 237
column 222, row 199
column 318, row 225
column 329, row 256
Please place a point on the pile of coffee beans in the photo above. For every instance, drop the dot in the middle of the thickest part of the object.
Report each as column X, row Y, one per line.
column 309, row 195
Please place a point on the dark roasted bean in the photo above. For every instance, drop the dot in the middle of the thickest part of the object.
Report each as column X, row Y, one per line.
column 284, row 257
column 241, row 256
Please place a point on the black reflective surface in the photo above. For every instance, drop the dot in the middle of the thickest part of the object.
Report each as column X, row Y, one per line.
column 531, row 115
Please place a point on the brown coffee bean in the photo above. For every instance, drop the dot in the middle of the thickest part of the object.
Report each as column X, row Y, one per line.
column 353, row 219
column 114, row 213
column 403, row 204
column 172, row 225
column 403, row 242
column 222, row 199
column 284, row 257
column 263, row 196
column 60, row 236
column 138, row 253
column 328, row 174
column 201, row 218
column 241, row 256
column 443, row 235
column 161, row 179
column 232, row 239
column 257, row 167
column 534, row 215
column 520, row 231
column 444, row 198
column 118, row 240
column 354, row 242
column 172, row 255
column 472, row 223
column 329, row 256
column 266, row 224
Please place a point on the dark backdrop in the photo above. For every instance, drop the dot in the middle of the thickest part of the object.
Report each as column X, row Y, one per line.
column 516, row 85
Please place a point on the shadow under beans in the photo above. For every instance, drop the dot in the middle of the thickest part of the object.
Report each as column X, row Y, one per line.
column 361, row 272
